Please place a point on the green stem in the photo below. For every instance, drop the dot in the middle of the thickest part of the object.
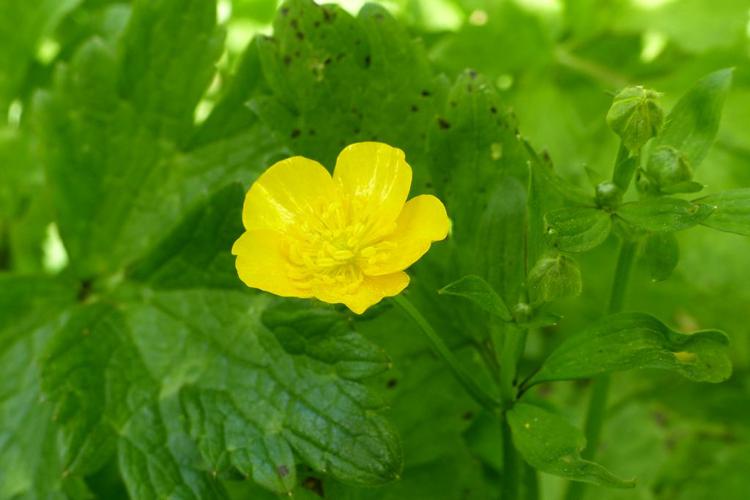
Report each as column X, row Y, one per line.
column 625, row 167
column 514, row 342
column 511, row 465
column 621, row 281
column 459, row 371
column 597, row 408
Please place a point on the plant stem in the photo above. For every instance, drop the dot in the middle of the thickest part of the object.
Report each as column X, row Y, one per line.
column 596, row 412
column 459, row 371
column 625, row 167
column 511, row 479
column 514, row 342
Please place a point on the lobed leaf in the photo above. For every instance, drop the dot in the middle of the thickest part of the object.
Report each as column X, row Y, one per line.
column 629, row 341
column 550, row 444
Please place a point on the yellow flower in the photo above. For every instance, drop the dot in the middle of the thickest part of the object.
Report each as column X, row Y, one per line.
column 342, row 239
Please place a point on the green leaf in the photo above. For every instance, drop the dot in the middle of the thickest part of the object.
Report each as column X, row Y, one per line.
column 28, row 302
column 629, row 341
column 577, row 229
column 184, row 260
column 550, row 444
column 481, row 293
column 74, row 364
column 692, row 124
column 478, row 166
column 286, row 399
column 661, row 253
column 22, row 27
column 30, row 308
column 731, row 211
column 260, row 385
column 664, row 214
column 554, row 278
column 336, row 79
column 133, row 176
column 164, row 41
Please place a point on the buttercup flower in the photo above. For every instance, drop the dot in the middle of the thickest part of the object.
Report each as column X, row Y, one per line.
column 345, row 238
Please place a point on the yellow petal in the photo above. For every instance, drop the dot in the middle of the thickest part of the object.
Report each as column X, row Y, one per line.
column 262, row 263
column 376, row 177
column 372, row 290
column 422, row 221
column 289, row 191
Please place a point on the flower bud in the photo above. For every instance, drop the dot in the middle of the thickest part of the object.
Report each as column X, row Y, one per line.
column 554, row 277
column 667, row 166
column 608, row 195
column 635, row 116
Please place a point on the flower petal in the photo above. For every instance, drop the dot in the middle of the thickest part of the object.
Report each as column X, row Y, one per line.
column 290, row 190
column 372, row 290
column 377, row 178
column 262, row 263
column 422, row 221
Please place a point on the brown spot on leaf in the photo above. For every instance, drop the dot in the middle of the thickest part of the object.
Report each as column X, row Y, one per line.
column 443, row 123
column 391, row 383
column 283, row 470
column 295, row 133
column 313, row 484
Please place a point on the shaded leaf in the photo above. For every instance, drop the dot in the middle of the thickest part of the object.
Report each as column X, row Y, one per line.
column 731, row 211
column 550, row 444
column 481, row 293
column 577, row 229
column 629, row 341
column 661, row 253
column 692, row 124
column 664, row 214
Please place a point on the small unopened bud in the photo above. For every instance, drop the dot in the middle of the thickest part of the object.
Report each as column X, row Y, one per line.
column 636, row 117
column 553, row 278
column 668, row 166
column 608, row 195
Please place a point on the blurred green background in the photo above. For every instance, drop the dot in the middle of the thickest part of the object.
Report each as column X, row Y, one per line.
column 556, row 64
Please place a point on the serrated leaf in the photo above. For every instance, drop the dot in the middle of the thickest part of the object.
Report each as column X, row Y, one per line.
column 481, row 293
column 30, row 308
column 731, row 211
column 478, row 169
column 664, row 214
column 336, row 79
column 550, row 444
column 692, row 124
column 134, row 175
column 661, row 253
column 74, row 365
column 577, row 229
column 165, row 40
column 332, row 423
column 183, row 259
column 322, row 334
column 629, row 341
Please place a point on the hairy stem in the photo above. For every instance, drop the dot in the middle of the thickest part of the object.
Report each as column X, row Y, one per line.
column 459, row 371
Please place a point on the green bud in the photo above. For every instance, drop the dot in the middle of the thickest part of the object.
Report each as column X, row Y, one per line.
column 667, row 166
column 554, row 278
column 635, row 116
column 522, row 312
column 608, row 195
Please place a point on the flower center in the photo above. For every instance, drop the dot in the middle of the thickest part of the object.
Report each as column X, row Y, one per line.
column 335, row 245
